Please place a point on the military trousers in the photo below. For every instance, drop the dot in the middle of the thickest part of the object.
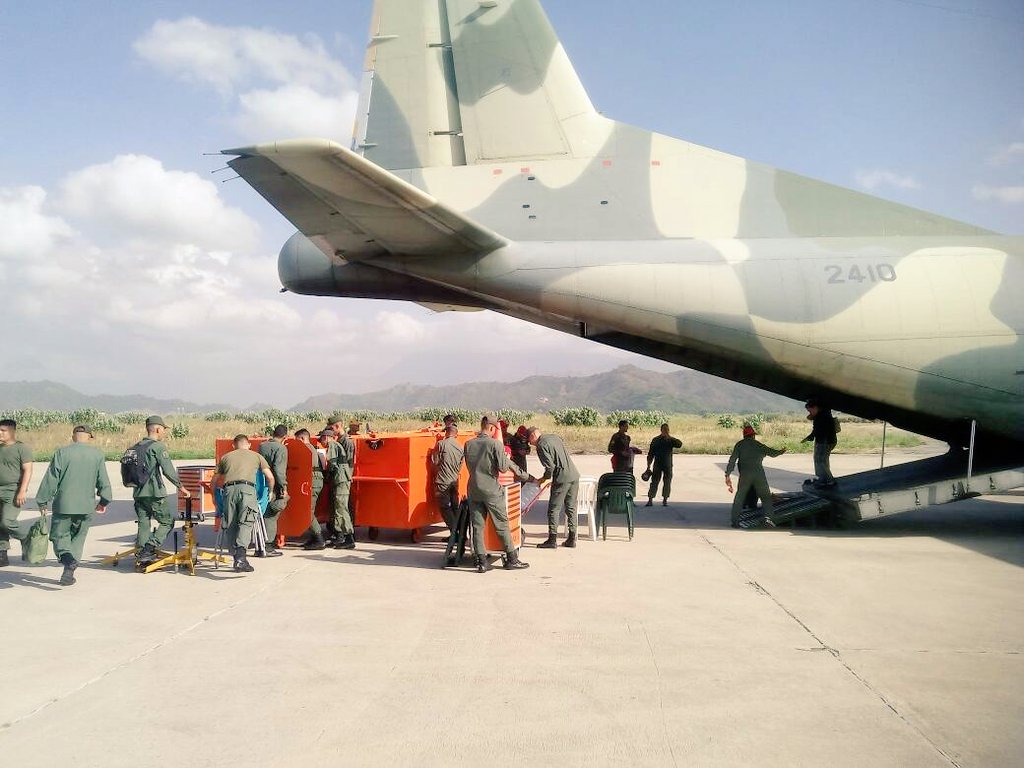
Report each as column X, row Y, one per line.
column 759, row 483
column 822, row 455
column 9, row 527
column 663, row 476
column 241, row 511
column 341, row 517
column 148, row 509
column 274, row 509
column 448, row 503
column 563, row 496
column 315, row 489
column 496, row 510
column 67, row 534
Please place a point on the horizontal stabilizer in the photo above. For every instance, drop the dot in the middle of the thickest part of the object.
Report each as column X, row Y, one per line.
column 353, row 209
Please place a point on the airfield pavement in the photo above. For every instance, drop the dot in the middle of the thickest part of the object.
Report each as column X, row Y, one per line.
column 897, row 643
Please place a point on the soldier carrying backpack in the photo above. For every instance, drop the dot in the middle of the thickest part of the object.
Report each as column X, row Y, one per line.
column 143, row 468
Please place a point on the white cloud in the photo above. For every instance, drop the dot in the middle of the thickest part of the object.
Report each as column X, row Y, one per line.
column 280, row 86
column 398, row 328
column 880, row 177
column 135, row 196
column 1008, row 194
column 1011, row 153
column 26, row 231
column 293, row 111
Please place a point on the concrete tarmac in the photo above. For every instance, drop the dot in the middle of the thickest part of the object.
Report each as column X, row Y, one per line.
column 897, row 643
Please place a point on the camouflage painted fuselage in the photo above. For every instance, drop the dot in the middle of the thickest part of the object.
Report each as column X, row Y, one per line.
column 519, row 197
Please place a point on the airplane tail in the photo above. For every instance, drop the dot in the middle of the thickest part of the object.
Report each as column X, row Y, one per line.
column 445, row 81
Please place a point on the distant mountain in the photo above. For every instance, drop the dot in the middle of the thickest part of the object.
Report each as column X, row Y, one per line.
column 624, row 388
column 49, row 395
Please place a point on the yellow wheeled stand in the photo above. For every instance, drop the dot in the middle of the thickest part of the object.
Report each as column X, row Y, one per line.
column 117, row 557
column 190, row 554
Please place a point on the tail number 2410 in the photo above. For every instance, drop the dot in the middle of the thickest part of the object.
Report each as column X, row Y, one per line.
column 855, row 273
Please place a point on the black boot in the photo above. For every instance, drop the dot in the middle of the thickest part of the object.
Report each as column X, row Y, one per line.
column 4, row 560
column 348, row 541
column 272, row 551
column 315, row 543
column 483, row 565
column 241, row 563
column 650, row 503
column 67, row 578
column 570, row 540
column 551, row 542
column 146, row 555
column 664, row 502
column 513, row 563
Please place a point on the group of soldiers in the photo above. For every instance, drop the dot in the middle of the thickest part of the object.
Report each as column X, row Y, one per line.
column 76, row 484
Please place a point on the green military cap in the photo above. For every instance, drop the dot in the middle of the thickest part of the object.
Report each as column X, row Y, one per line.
column 82, row 428
column 490, row 418
column 155, row 421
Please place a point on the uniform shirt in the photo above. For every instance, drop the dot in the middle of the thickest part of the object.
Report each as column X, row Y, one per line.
column 558, row 467
column 241, row 464
column 749, row 454
column 276, row 454
column 158, row 462
column 485, row 458
column 618, row 446
column 447, row 460
column 346, row 457
column 823, row 428
column 660, row 451
column 76, row 475
column 11, row 458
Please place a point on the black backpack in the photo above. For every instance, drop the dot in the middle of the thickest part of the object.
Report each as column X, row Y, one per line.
column 133, row 465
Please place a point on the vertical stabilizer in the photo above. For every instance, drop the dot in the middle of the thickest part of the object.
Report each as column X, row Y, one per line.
column 455, row 82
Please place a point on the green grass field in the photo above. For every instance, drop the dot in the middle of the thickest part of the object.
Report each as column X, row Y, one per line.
column 699, row 435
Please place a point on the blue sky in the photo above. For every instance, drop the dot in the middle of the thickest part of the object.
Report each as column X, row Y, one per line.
column 108, row 215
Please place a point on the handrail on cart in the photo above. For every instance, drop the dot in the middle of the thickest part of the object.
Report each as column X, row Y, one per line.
column 396, row 480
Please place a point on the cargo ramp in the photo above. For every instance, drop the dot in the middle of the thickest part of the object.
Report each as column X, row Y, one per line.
column 888, row 491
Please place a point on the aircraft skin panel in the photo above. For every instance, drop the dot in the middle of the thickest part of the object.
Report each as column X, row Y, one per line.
column 508, row 191
column 352, row 208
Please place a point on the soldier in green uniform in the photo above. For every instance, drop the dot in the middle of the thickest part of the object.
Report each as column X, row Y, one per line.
column 659, row 455
column 315, row 535
column 76, row 476
column 485, row 459
column 447, row 462
column 565, row 484
column 151, row 497
column 748, row 455
column 236, row 472
column 276, row 455
column 15, row 475
column 341, row 456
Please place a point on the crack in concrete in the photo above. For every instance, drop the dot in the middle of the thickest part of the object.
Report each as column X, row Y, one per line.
column 661, row 697
column 834, row 653
column 6, row 727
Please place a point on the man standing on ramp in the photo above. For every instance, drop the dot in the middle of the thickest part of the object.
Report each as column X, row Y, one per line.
column 749, row 455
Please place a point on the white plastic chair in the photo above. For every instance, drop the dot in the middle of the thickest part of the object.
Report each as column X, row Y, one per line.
column 586, row 504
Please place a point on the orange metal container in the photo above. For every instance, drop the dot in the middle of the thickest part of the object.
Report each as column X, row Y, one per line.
column 196, row 479
column 513, row 503
column 393, row 482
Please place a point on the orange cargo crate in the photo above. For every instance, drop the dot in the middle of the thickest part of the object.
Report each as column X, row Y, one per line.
column 393, row 482
column 513, row 502
column 196, row 479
